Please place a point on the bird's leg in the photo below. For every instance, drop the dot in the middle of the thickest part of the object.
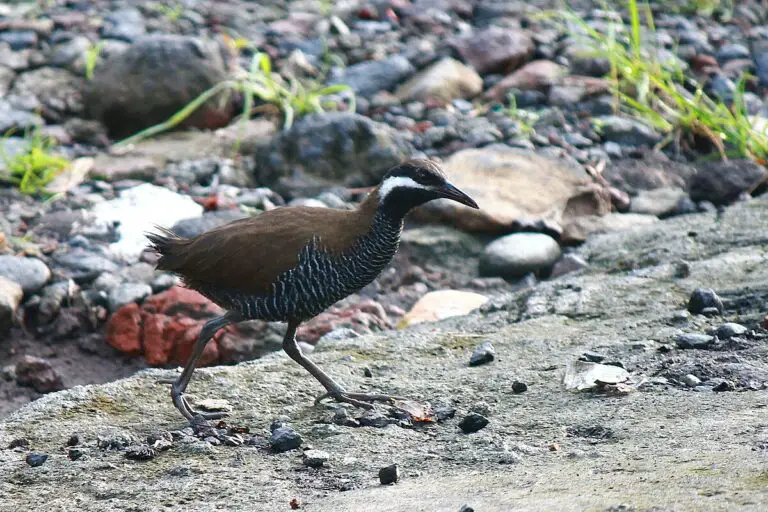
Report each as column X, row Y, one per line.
column 180, row 385
column 333, row 389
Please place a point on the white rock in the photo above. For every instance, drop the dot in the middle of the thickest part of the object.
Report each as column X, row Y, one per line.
column 442, row 304
column 137, row 210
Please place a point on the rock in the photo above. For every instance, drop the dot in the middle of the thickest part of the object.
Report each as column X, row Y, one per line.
column 633, row 175
column 537, row 75
column 36, row 459
column 691, row 380
column 389, row 474
column 444, row 81
column 442, row 246
column 694, row 340
column 372, row 76
column 626, row 131
column 7, row 76
column 19, row 39
column 30, row 273
column 190, row 228
column 484, row 353
column 732, row 51
column 569, row 263
column 17, row 120
column 140, row 452
column 125, row 24
column 519, row 387
column 659, row 202
column 584, row 375
column 568, row 90
column 515, row 188
column 473, row 422
column 11, row 294
column 703, row 298
column 124, row 330
column 137, row 210
column 57, row 90
column 438, row 305
column 315, row 458
column 495, row 50
column 38, row 373
column 153, row 79
column 284, row 439
column 729, row 330
column 363, row 317
column 82, row 260
column 518, row 254
column 336, row 147
column 580, row 228
column 127, row 294
column 722, row 183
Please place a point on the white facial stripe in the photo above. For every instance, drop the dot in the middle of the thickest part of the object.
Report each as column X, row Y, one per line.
column 397, row 181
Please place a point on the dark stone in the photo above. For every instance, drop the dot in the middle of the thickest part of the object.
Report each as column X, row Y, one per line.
column 694, row 341
column 375, row 419
column 484, row 353
column 153, row 79
column 19, row 39
column 628, row 132
column 444, row 413
column 592, row 357
column 369, row 77
column 284, row 439
column 73, row 440
column 729, row 330
column 723, row 182
column 20, row 442
column 367, row 372
column 140, row 452
column 519, row 387
column 36, row 459
column 38, row 373
column 75, row 453
column 703, row 298
column 17, row 120
column 473, row 422
column 725, row 385
column 125, row 24
column 389, row 474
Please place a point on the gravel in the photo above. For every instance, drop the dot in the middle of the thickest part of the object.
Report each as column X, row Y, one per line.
column 473, row 422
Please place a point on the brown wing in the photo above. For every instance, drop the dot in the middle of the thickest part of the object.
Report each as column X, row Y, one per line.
column 250, row 254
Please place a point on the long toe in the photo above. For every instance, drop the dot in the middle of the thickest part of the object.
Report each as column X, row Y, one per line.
column 362, row 400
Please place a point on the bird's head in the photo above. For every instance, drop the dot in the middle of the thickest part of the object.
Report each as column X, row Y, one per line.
column 416, row 182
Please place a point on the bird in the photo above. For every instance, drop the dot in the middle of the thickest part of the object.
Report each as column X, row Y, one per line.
column 290, row 263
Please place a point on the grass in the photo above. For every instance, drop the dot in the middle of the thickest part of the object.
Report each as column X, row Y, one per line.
column 659, row 93
column 31, row 170
column 91, row 58
column 293, row 99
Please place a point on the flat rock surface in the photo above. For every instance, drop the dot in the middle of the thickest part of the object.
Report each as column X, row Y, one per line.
column 657, row 445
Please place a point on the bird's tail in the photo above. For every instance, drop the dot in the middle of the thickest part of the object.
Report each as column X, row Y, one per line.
column 166, row 244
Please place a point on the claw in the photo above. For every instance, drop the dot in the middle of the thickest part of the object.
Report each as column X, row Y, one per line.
column 361, row 400
column 180, row 401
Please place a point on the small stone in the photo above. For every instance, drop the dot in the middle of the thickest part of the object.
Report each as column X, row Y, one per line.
column 725, row 385
column 466, row 508
column 36, row 459
column 367, row 372
column 592, row 357
column 519, row 387
column 691, row 380
column 30, row 273
column 315, row 458
column 75, row 453
column 11, row 295
column 38, row 373
column 371, row 76
column 284, row 439
column 445, row 80
column 444, row 413
column 389, row 474
column 703, row 298
column 484, row 353
column 710, row 311
column 513, row 256
column 568, row 264
column 627, row 132
column 473, row 422
column 729, row 330
column 341, row 417
column 375, row 419
column 140, row 452
column 73, row 440
column 128, row 293
column 20, row 442
column 694, row 341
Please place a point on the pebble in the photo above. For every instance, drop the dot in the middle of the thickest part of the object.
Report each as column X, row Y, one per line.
column 694, row 340
column 568, row 264
column 519, row 387
column 76, row 453
column 703, row 298
column 691, row 380
column 38, row 374
column 369, row 77
column 626, row 131
column 515, row 255
column 30, row 273
column 124, row 24
column 729, row 330
column 724, row 385
column 375, row 419
column 484, row 353
column 315, row 458
column 389, row 475
column 473, row 422
column 466, row 508
column 140, row 452
column 284, row 438
column 127, row 294
column 36, row 459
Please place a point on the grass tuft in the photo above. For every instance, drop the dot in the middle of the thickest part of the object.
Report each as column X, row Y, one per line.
column 31, row 170
column 658, row 92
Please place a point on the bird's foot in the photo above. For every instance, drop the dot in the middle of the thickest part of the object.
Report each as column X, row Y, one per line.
column 180, row 401
column 362, row 400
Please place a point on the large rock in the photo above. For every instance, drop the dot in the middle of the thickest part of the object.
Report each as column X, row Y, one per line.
column 332, row 148
column 514, row 188
column 446, row 80
column 154, row 78
column 723, row 182
column 442, row 304
column 577, row 438
column 495, row 49
column 371, row 76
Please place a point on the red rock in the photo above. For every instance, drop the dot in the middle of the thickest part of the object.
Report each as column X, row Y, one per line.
column 702, row 62
column 184, row 333
column 364, row 317
column 157, row 346
column 181, row 300
column 124, row 330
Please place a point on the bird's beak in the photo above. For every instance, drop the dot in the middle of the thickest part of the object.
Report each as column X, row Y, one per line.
column 448, row 191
